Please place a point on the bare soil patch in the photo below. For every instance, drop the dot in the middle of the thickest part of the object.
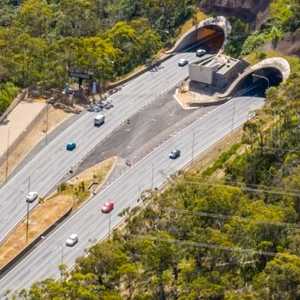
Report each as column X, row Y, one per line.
column 32, row 138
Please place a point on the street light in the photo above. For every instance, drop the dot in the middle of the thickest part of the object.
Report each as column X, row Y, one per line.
column 262, row 77
column 193, row 145
column 7, row 155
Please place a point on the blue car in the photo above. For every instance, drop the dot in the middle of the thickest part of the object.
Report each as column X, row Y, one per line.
column 71, row 146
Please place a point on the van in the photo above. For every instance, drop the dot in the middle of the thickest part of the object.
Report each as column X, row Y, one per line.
column 99, row 120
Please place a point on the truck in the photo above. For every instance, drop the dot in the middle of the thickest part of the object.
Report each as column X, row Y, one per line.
column 99, row 120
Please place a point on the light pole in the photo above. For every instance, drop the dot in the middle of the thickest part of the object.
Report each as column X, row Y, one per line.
column 7, row 155
column 47, row 123
column 62, row 254
column 27, row 212
column 193, row 145
column 233, row 115
column 152, row 176
column 262, row 77
column 109, row 225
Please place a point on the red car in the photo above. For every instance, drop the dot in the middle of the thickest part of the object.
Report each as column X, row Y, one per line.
column 107, row 207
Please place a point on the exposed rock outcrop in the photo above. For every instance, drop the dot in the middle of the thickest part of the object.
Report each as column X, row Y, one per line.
column 252, row 11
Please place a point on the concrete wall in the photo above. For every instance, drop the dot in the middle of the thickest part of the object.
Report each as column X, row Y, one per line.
column 202, row 74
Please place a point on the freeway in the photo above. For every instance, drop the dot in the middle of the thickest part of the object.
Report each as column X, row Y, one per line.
column 48, row 168
column 150, row 172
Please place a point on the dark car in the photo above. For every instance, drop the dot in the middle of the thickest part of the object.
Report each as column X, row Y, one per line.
column 70, row 146
column 90, row 108
column 174, row 154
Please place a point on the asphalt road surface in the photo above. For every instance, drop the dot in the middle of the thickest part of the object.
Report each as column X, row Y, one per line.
column 44, row 172
column 147, row 129
column 150, row 172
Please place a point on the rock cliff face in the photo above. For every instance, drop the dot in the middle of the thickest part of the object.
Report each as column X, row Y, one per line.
column 252, row 11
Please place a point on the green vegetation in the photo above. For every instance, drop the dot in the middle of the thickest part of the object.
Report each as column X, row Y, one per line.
column 284, row 17
column 40, row 41
column 219, row 163
column 202, row 239
column 8, row 92
column 234, row 239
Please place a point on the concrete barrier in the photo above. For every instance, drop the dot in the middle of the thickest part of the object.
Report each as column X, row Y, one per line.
column 140, row 72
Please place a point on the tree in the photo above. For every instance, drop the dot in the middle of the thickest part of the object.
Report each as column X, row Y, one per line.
column 35, row 17
column 281, row 278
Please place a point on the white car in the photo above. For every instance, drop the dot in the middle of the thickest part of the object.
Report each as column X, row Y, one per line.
column 182, row 62
column 200, row 52
column 31, row 197
column 72, row 240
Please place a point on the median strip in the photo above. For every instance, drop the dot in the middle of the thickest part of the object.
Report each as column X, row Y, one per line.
column 49, row 212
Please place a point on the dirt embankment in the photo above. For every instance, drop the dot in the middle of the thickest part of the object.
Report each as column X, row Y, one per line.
column 252, row 11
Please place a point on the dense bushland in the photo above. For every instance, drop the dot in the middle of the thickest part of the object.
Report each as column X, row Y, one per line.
column 40, row 41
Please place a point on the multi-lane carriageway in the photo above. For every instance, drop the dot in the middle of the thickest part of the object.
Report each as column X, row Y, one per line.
column 51, row 164
column 152, row 171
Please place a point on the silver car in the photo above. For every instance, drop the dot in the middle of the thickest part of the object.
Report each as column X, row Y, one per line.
column 182, row 62
column 200, row 52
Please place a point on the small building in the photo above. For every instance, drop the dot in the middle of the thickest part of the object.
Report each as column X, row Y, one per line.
column 216, row 71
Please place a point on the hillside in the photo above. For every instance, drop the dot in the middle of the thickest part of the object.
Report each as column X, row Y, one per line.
column 206, row 236
column 229, row 232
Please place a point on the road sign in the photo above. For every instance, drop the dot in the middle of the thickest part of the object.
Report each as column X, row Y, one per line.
column 81, row 75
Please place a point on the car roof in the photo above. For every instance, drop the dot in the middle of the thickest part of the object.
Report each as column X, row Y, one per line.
column 73, row 236
column 32, row 193
column 108, row 203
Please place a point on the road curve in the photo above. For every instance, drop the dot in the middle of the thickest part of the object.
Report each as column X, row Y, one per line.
column 150, row 172
column 44, row 172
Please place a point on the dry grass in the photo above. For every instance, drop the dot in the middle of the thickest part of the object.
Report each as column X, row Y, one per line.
column 84, row 184
column 41, row 218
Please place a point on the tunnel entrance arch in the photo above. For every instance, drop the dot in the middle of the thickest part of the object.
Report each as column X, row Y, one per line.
column 211, row 34
column 269, row 72
column 257, row 82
